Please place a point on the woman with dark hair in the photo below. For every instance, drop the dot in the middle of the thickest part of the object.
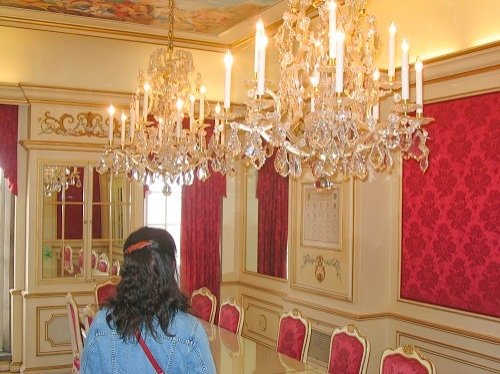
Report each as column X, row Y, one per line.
column 146, row 328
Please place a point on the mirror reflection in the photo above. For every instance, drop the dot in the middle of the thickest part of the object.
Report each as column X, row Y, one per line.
column 85, row 220
column 266, row 231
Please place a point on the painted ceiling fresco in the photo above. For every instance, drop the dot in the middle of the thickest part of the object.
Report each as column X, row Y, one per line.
column 205, row 16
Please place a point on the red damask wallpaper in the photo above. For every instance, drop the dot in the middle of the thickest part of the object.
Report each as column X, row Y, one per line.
column 451, row 214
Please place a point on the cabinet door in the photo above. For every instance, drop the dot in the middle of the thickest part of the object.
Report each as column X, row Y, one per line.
column 85, row 218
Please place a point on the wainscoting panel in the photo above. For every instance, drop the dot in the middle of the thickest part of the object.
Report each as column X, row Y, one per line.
column 261, row 320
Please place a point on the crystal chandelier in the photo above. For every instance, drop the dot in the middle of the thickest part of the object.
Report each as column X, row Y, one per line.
column 325, row 113
column 59, row 178
column 159, row 143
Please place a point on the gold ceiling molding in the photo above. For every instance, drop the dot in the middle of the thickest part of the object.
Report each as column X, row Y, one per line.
column 109, row 33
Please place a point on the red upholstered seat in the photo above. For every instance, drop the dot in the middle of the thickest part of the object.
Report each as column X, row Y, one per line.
column 203, row 304
column 349, row 351
column 294, row 333
column 406, row 359
column 106, row 290
column 231, row 316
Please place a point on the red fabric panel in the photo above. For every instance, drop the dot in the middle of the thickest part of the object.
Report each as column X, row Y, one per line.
column 398, row 364
column 272, row 193
column 201, row 220
column 73, row 228
column 96, row 209
column 8, row 144
column 76, row 363
column 229, row 318
column 451, row 214
column 291, row 337
column 346, row 355
column 201, row 307
column 105, row 292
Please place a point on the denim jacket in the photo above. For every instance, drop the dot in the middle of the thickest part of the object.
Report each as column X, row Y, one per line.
column 187, row 351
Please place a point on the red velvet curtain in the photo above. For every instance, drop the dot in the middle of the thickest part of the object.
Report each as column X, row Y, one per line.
column 8, row 144
column 201, row 222
column 272, row 193
column 451, row 214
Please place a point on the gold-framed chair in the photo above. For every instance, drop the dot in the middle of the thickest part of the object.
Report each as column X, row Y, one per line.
column 294, row 334
column 405, row 359
column 103, row 263
column 231, row 315
column 203, row 304
column 104, row 291
column 349, row 351
column 75, row 330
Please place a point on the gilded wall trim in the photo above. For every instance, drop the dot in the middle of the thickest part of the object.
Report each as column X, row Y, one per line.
column 435, row 343
column 44, row 295
column 79, row 125
column 61, row 146
column 263, row 289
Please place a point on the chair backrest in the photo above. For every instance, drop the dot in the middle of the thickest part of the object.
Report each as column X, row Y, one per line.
column 203, row 304
column 93, row 259
column 103, row 263
column 405, row 359
column 88, row 316
column 294, row 333
column 349, row 351
column 106, row 290
column 67, row 260
column 74, row 330
column 115, row 268
column 231, row 316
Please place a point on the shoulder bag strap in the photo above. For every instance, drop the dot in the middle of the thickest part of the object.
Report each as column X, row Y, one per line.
column 148, row 353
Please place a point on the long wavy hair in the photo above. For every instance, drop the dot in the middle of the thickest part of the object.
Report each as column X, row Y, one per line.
column 148, row 289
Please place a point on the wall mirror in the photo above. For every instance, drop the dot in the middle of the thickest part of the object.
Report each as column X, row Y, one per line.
column 85, row 219
column 266, row 221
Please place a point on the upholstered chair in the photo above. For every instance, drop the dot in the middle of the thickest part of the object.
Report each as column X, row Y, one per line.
column 80, row 260
column 294, row 333
column 87, row 316
column 67, row 260
column 349, row 351
column 405, row 359
column 115, row 268
column 103, row 263
column 204, row 304
column 231, row 316
column 106, row 290
column 75, row 332
column 93, row 259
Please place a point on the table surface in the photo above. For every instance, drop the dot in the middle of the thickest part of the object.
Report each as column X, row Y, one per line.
column 235, row 354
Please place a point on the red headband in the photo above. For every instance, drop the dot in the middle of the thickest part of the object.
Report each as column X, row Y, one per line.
column 137, row 246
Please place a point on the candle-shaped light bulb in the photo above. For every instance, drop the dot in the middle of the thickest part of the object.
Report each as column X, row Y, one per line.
column 376, row 75
column 217, row 109
column 259, row 30
column 111, row 112
column 192, row 99
column 145, row 109
column 123, row 119
column 332, row 29
column 261, row 72
column 228, row 62
column 179, row 104
column 203, row 91
column 418, row 84
column 405, row 81
column 132, row 120
column 392, row 50
column 339, row 65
